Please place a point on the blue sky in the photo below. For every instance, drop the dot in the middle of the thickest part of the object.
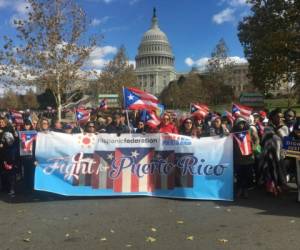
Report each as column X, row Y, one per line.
column 193, row 26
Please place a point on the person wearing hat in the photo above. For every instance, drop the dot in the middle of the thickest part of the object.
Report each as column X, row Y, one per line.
column 243, row 164
column 67, row 128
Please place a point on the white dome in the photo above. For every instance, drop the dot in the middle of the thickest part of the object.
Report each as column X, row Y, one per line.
column 155, row 48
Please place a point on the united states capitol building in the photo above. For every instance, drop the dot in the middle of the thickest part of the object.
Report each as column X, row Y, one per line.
column 155, row 63
column 155, row 60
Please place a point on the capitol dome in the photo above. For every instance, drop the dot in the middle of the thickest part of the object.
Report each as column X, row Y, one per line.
column 155, row 59
column 155, row 48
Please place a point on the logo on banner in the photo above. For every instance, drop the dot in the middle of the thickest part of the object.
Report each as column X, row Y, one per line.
column 172, row 140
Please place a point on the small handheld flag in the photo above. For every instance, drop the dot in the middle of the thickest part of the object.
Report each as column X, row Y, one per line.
column 82, row 115
column 17, row 117
column 103, row 104
column 199, row 110
column 241, row 110
column 150, row 118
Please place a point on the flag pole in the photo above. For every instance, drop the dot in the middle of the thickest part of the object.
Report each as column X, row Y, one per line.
column 126, row 110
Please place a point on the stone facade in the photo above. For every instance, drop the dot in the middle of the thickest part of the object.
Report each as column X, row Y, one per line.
column 155, row 60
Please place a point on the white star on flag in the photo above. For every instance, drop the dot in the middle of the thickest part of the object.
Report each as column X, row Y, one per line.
column 110, row 156
column 134, row 154
column 130, row 97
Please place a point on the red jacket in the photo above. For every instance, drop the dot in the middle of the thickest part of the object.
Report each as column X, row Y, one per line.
column 169, row 128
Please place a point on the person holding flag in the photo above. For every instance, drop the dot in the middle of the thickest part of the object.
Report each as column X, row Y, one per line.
column 28, row 143
column 103, row 104
column 243, row 156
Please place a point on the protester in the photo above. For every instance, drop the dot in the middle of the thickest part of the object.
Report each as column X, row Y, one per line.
column 243, row 161
column 90, row 128
column 28, row 161
column 8, row 165
column 56, row 125
column 217, row 128
column 67, row 128
column 117, row 127
column 290, row 119
column 140, row 128
column 273, row 173
column 166, row 126
column 44, row 125
column 187, row 128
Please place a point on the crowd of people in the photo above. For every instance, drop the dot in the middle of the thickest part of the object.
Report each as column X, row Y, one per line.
column 266, row 166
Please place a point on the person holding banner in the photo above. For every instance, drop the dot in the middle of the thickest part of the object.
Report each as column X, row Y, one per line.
column 27, row 154
column 91, row 128
column 117, row 127
column 44, row 125
column 7, row 158
column 187, row 128
column 217, row 128
column 166, row 125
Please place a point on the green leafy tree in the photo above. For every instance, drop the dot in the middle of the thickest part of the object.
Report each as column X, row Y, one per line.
column 116, row 74
column 270, row 36
column 51, row 48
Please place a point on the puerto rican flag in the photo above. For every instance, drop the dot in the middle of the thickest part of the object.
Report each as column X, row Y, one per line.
column 199, row 110
column 150, row 118
column 161, row 180
column 230, row 117
column 82, row 115
column 27, row 142
column 17, row 117
column 103, row 104
column 101, row 179
column 241, row 110
column 128, row 180
column 243, row 140
column 135, row 99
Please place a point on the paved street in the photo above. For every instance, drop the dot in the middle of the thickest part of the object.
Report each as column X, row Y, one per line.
column 45, row 221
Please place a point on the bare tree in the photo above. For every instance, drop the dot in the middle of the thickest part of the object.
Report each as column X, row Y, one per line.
column 52, row 48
